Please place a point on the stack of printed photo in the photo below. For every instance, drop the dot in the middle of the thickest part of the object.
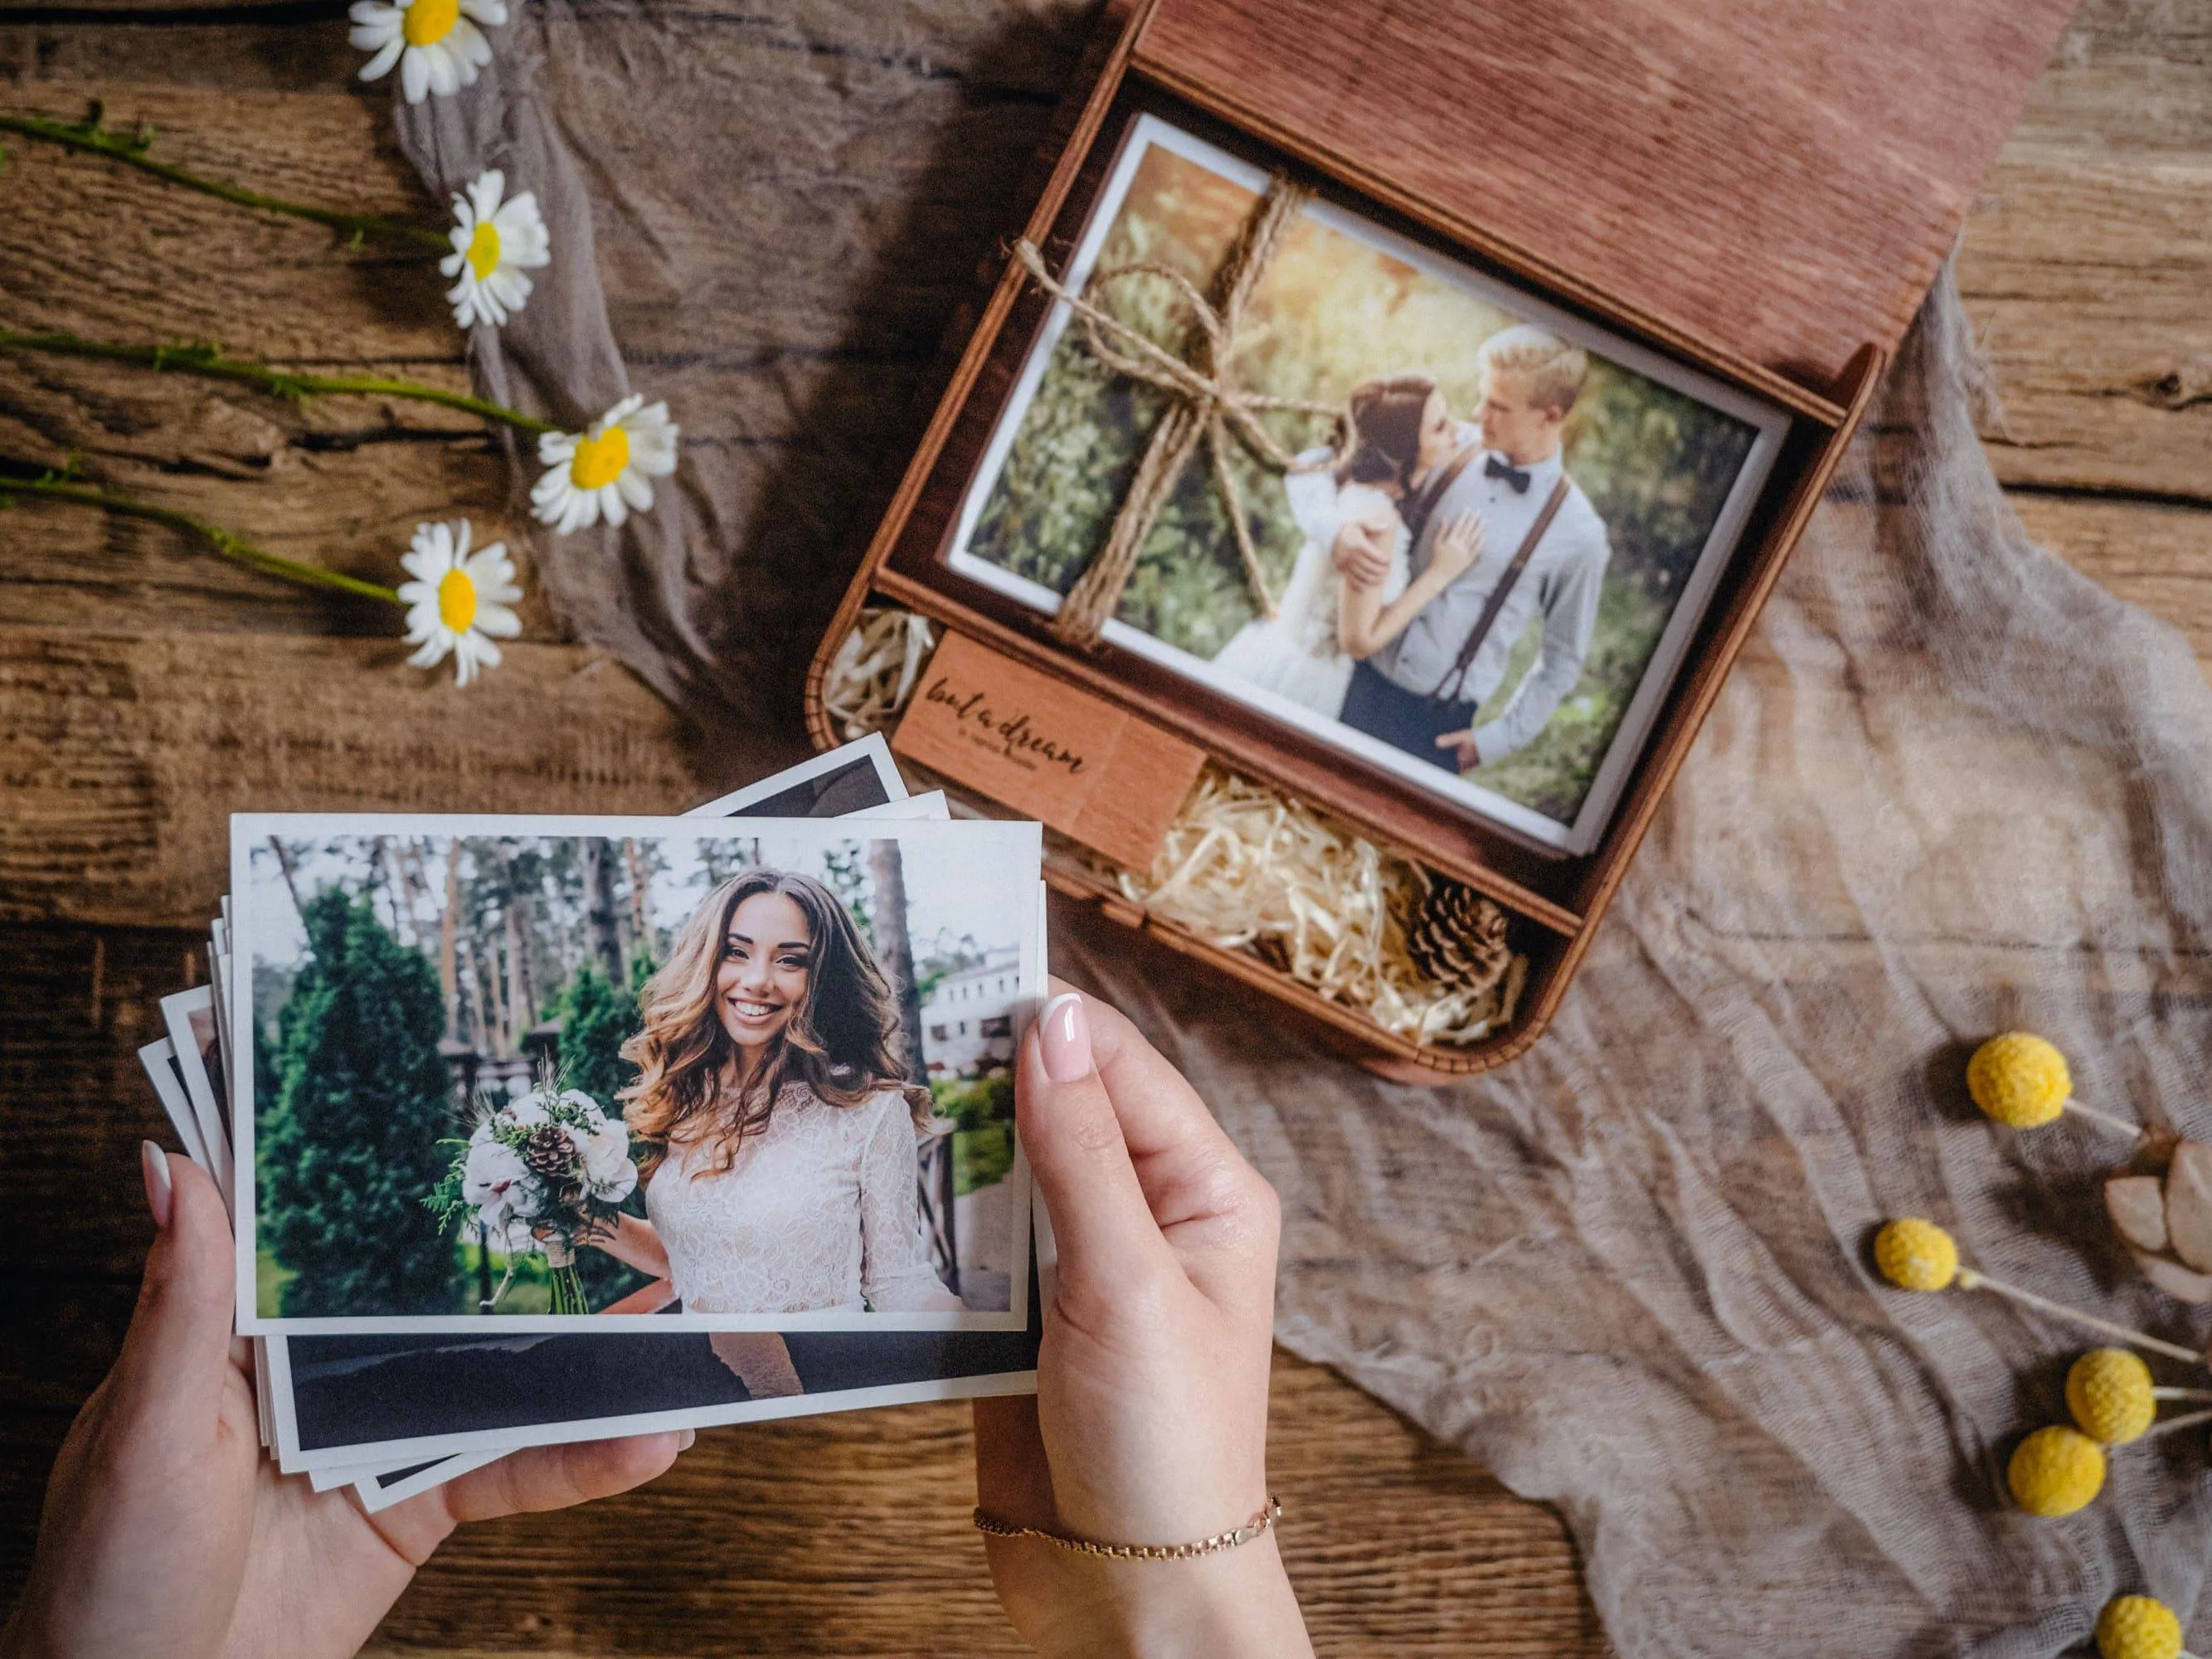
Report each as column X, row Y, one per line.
column 546, row 1129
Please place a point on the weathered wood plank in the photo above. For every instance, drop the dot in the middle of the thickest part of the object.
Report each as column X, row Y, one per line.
column 101, row 249
column 2156, row 555
column 122, row 758
column 2089, row 258
column 2087, row 277
column 79, row 1004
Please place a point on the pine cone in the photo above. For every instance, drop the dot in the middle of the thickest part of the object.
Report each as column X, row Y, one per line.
column 550, row 1155
column 1456, row 937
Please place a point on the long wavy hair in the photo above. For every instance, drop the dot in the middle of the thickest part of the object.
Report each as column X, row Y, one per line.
column 1386, row 430
column 842, row 1041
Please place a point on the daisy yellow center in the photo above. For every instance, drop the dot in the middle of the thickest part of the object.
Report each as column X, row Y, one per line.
column 457, row 600
column 483, row 244
column 599, row 460
column 429, row 22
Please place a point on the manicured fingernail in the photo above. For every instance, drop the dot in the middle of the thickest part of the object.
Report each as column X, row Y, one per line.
column 684, row 1442
column 154, row 1165
column 1063, row 1039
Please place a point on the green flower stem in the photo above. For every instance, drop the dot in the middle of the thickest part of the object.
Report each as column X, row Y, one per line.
column 206, row 362
column 236, row 548
column 89, row 138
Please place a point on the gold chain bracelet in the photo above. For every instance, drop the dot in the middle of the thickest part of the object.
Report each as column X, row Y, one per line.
column 1271, row 1512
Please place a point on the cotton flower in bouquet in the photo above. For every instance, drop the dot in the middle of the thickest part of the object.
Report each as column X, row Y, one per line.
column 538, row 1175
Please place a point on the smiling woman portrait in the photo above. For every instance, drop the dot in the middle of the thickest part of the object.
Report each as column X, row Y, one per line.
column 782, row 1172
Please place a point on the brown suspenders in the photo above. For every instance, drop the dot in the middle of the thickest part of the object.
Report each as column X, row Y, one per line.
column 1456, row 676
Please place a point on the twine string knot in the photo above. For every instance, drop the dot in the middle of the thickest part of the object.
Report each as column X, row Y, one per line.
column 1205, row 404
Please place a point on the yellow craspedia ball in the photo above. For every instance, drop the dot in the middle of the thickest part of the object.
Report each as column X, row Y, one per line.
column 2108, row 1391
column 1915, row 1255
column 2137, row 1627
column 2019, row 1079
column 2056, row 1471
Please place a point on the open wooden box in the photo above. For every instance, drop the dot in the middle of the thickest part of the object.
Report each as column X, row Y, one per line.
column 1759, row 189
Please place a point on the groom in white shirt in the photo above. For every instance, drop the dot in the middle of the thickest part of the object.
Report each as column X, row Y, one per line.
column 1421, row 690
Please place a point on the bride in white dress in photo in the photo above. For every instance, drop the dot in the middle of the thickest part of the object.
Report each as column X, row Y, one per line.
column 1400, row 430
column 786, row 1175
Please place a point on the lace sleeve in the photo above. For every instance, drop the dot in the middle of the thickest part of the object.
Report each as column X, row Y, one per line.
column 895, row 1276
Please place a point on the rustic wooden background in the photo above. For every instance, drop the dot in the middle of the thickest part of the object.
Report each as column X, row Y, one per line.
column 145, row 691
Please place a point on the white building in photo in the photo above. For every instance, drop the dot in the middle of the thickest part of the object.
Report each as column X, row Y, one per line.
column 967, row 1021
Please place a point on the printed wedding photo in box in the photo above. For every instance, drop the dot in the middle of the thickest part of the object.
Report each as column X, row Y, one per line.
column 550, row 1078
column 1496, row 529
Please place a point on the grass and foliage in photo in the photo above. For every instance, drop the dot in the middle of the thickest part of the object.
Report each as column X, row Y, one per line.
column 1331, row 312
column 983, row 1145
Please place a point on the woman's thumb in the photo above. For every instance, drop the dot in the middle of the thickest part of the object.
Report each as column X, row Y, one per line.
column 1100, row 1220
column 175, row 1357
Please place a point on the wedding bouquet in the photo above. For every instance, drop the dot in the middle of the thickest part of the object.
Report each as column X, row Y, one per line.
column 538, row 1174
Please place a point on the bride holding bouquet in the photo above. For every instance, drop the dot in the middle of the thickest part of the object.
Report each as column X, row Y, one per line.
column 786, row 1174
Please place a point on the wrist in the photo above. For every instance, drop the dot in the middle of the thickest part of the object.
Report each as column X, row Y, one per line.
column 1235, row 1605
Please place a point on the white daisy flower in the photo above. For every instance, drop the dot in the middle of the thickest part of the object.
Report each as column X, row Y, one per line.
column 458, row 599
column 604, row 471
column 493, row 243
column 437, row 43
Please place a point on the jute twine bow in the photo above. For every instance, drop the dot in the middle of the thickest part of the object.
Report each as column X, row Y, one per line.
column 1204, row 402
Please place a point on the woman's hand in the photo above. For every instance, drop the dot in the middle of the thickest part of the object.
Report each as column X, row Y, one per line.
column 1149, row 1422
column 166, row 1535
column 1458, row 546
column 631, row 1242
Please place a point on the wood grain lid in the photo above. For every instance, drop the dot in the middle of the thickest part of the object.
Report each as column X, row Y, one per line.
column 1781, row 178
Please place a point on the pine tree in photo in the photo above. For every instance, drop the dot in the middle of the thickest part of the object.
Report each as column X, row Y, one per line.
column 349, row 1141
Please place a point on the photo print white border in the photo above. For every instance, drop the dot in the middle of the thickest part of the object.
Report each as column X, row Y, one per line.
column 1014, row 848
column 1578, row 836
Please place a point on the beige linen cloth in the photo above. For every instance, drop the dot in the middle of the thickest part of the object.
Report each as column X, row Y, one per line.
column 1951, row 788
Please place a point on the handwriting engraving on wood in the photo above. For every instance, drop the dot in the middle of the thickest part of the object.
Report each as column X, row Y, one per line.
column 1113, row 782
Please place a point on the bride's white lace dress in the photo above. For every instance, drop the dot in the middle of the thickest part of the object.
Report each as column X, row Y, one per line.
column 1297, row 655
column 820, row 1210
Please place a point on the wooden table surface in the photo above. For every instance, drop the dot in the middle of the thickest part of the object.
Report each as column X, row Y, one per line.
column 146, row 691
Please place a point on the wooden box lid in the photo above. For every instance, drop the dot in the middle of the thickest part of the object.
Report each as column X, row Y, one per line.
column 1781, row 178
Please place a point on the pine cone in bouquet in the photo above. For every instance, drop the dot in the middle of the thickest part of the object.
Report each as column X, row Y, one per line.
column 550, row 1156
column 1456, row 937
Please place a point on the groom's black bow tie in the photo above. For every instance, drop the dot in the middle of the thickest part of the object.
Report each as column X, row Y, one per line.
column 1515, row 476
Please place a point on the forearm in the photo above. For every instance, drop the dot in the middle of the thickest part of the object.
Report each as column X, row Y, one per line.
column 1401, row 611
column 1355, row 622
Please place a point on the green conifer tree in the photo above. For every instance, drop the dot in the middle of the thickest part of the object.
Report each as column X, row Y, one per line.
column 350, row 1144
